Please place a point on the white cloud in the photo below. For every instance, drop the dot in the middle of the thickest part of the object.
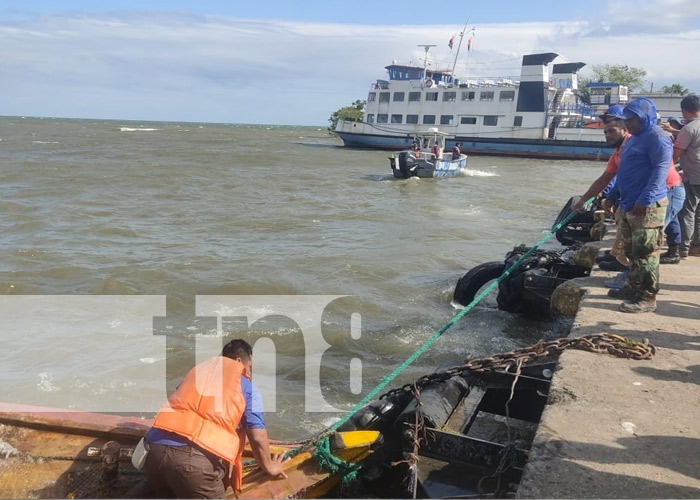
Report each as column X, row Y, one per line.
column 181, row 67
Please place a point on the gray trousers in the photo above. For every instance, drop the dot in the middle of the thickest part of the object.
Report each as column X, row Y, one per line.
column 689, row 217
column 183, row 472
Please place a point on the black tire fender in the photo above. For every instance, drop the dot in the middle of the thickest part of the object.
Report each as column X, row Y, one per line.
column 469, row 284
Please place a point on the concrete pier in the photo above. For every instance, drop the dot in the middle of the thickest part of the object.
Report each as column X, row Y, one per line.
column 619, row 428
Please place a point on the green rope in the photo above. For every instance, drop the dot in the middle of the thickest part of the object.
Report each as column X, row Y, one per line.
column 336, row 466
column 385, row 381
column 323, row 454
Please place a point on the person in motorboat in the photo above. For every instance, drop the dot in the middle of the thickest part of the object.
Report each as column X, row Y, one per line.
column 204, row 426
column 456, row 151
column 415, row 149
column 436, row 151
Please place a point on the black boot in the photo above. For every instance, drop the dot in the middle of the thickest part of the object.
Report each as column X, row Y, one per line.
column 673, row 255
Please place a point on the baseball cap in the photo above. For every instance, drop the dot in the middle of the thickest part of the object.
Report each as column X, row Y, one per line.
column 676, row 123
column 628, row 114
column 614, row 111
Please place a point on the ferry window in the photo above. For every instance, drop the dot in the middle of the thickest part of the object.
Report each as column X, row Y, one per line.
column 399, row 96
column 372, row 97
column 431, row 96
column 382, row 118
column 384, row 97
column 489, row 120
column 486, row 96
column 411, row 118
column 413, row 96
column 396, row 118
column 507, row 95
column 468, row 96
column 428, row 119
column 449, row 96
column 468, row 120
column 447, row 120
column 370, row 118
column 518, row 122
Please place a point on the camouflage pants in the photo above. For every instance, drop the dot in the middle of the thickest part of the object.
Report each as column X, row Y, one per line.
column 618, row 250
column 642, row 238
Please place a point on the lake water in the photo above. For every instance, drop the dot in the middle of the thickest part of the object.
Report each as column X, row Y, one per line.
column 106, row 224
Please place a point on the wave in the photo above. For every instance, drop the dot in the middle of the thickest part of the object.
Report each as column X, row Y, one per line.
column 137, row 129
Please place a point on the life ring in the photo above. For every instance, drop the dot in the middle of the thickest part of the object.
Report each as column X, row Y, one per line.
column 428, row 83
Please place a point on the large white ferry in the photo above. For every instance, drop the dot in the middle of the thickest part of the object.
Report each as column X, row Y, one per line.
column 535, row 115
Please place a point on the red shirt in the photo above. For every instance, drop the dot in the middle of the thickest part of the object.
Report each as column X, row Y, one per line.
column 672, row 178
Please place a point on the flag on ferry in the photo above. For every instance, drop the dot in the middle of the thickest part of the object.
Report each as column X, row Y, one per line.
column 451, row 42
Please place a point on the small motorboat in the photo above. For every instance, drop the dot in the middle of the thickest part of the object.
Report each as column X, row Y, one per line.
column 427, row 158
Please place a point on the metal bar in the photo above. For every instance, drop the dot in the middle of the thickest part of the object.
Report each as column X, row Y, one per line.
column 458, row 448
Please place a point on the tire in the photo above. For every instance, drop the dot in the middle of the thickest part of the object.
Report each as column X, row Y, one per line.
column 470, row 284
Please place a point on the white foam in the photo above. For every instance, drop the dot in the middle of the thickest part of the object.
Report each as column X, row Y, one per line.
column 43, row 142
column 148, row 361
column 46, row 382
column 138, row 129
column 468, row 172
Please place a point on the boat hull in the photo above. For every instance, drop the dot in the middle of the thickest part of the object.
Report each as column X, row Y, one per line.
column 425, row 169
column 53, row 453
column 524, row 148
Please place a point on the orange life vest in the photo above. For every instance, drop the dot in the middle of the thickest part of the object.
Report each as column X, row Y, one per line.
column 206, row 409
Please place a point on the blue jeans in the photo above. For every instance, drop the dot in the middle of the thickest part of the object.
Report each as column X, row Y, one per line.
column 676, row 197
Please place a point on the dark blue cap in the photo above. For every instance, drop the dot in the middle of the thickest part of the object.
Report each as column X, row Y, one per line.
column 614, row 111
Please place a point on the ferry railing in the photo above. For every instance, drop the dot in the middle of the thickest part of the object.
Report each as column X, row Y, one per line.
column 568, row 109
column 468, row 83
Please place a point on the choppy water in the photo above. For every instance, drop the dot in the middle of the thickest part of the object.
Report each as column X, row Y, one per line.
column 106, row 208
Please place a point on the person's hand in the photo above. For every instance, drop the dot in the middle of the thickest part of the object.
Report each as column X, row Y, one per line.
column 639, row 210
column 609, row 208
column 277, row 465
column 579, row 205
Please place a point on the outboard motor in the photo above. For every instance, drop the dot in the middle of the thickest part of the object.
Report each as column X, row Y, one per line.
column 403, row 164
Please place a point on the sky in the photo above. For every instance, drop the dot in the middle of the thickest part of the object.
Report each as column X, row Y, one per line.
column 294, row 63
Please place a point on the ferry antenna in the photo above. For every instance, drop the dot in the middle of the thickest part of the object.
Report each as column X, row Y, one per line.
column 461, row 37
column 425, row 60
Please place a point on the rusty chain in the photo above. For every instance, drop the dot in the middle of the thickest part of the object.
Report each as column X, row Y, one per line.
column 604, row 343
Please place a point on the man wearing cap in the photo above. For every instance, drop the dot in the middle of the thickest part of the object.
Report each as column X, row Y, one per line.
column 645, row 160
column 687, row 149
column 615, row 135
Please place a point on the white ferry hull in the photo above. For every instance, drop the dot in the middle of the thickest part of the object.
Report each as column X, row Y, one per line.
column 529, row 148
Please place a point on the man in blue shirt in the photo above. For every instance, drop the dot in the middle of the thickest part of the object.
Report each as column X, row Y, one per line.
column 641, row 184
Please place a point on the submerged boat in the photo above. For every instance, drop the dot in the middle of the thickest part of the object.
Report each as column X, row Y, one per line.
column 427, row 158
column 529, row 288
column 475, row 421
